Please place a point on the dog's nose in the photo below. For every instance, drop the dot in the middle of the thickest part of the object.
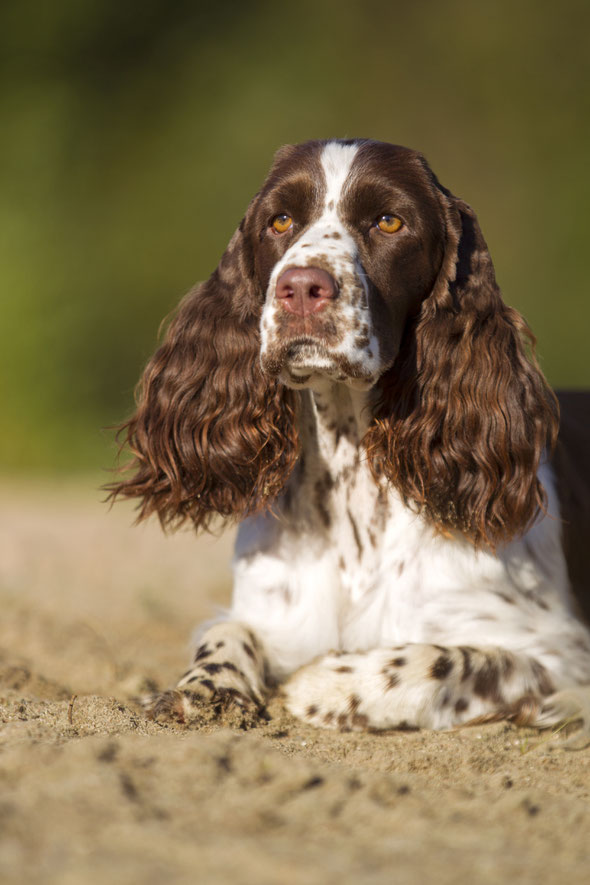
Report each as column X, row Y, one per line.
column 303, row 290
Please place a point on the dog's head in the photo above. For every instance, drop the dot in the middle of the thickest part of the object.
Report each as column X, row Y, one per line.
column 347, row 240
column 352, row 264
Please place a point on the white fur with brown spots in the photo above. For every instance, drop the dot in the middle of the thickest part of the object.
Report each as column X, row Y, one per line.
column 366, row 613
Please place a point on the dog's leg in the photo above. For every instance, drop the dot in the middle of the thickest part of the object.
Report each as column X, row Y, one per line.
column 229, row 670
column 415, row 686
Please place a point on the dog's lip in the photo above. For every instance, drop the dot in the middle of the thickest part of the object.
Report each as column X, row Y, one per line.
column 297, row 351
column 302, row 357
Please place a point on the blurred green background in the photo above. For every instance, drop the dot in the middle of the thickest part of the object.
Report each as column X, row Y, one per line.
column 133, row 135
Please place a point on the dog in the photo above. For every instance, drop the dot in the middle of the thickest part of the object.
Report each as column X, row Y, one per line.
column 350, row 386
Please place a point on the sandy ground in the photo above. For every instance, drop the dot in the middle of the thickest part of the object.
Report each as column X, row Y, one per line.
column 95, row 611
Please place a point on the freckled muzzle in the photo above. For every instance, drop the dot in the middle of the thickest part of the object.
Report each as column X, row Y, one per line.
column 316, row 322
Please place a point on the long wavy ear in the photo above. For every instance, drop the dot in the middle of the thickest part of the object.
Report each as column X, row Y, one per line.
column 211, row 434
column 465, row 413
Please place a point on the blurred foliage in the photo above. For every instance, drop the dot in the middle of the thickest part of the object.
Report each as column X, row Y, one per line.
column 133, row 136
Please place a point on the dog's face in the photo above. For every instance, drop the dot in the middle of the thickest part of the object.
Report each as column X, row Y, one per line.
column 348, row 239
column 352, row 264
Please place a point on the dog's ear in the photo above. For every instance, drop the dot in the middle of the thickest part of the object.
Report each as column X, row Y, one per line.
column 465, row 413
column 211, row 434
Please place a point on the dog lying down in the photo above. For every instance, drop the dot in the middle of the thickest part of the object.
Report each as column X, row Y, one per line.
column 349, row 385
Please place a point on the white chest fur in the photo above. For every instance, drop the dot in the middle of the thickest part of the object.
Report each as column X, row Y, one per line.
column 346, row 565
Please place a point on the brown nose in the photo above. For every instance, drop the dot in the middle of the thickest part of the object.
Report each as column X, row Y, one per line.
column 303, row 290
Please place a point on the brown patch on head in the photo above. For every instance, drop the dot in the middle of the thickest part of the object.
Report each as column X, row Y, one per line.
column 391, row 680
column 398, row 662
column 311, row 710
column 329, row 717
column 461, row 705
column 344, row 669
column 192, row 460
column 471, row 348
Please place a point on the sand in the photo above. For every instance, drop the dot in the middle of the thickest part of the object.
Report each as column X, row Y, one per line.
column 96, row 612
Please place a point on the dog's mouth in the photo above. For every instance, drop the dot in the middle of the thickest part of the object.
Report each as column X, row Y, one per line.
column 304, row 361
column 307, row 353
column 301, row 355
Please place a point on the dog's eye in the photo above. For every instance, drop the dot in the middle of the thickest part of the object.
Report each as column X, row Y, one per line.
column 282, row 223
column 389, row 224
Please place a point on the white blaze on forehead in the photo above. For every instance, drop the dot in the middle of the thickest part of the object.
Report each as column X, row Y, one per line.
column 329, row 244
column 336, row 160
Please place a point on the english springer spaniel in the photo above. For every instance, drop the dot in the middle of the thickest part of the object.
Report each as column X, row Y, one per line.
column 351, row 386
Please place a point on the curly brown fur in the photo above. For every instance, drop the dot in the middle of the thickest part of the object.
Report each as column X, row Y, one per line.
column 211, row 434
column 461, row 419
column 464, row 415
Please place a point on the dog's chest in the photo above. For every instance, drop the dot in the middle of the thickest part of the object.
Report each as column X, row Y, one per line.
column 359, row 512
column 363, row 524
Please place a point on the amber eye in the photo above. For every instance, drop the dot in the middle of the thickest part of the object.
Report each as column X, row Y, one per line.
column 389, row 224
column 282, row 223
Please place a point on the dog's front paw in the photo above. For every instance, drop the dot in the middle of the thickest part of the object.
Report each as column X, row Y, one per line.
column 225, row 682
column 165, row 706
column 204, row 705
